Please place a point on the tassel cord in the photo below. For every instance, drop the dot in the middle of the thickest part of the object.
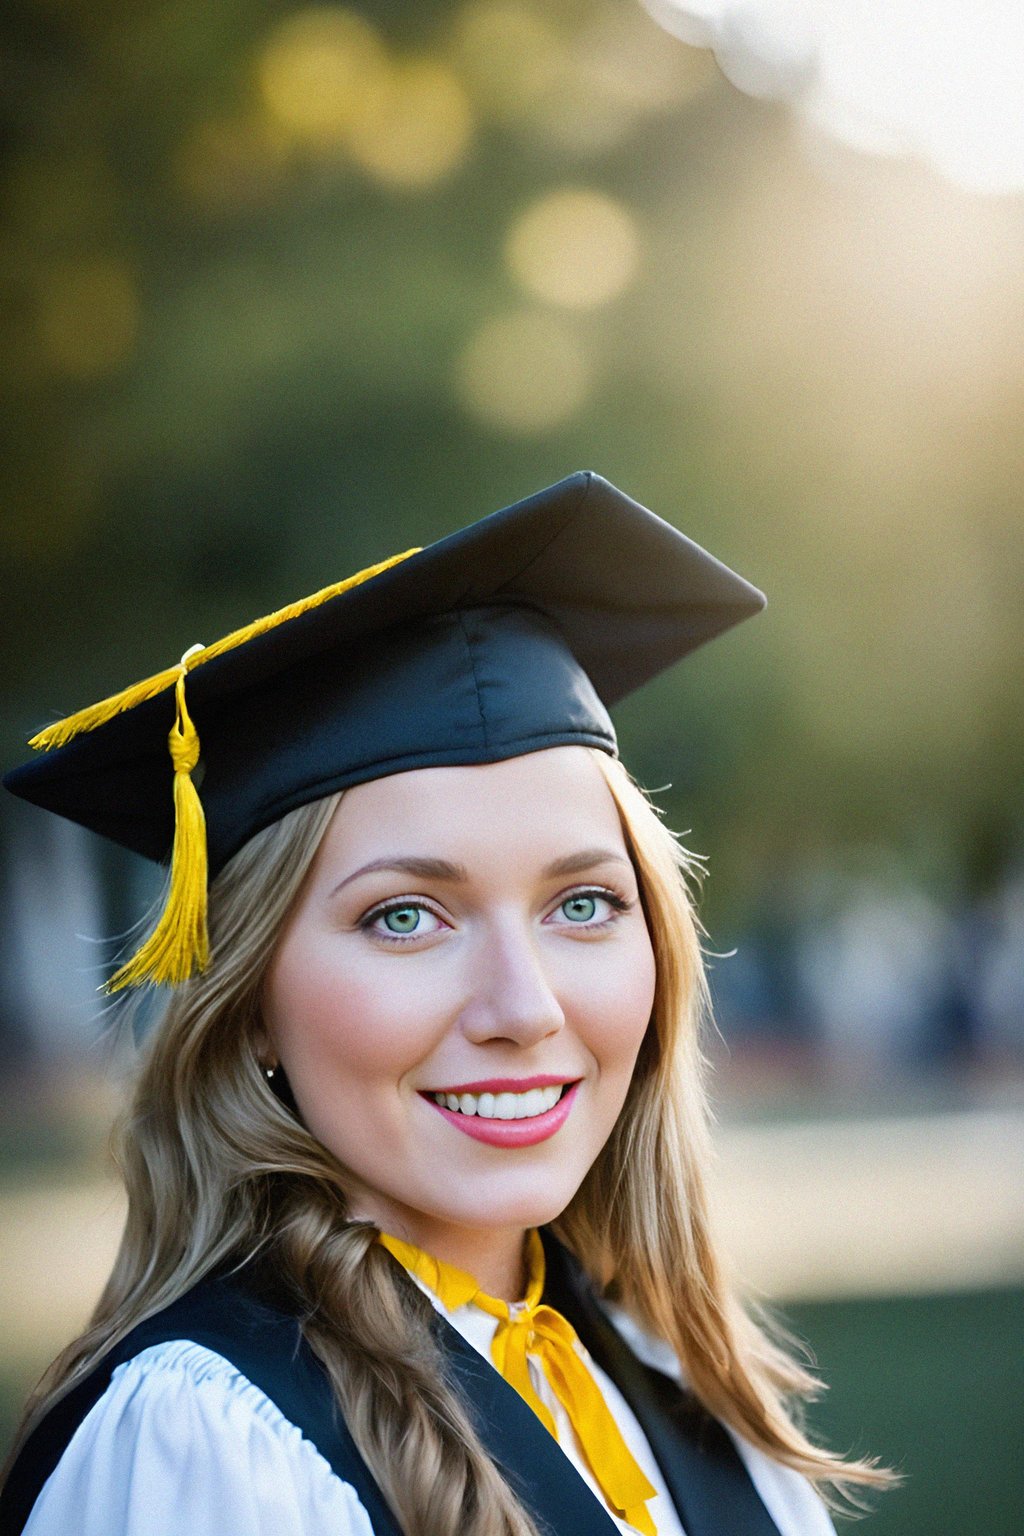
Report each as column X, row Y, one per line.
column 95, row 715
column 179, row 945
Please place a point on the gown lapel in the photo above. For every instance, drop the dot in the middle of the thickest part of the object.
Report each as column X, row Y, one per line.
column 705, row 1475
column 530, row 1458
column 706, row 1478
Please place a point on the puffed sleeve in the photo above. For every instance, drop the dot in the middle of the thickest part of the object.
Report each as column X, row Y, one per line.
column 181, row 1443
column 789, row 1498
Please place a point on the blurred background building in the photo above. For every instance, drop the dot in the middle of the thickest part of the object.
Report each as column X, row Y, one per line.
column 287, row 288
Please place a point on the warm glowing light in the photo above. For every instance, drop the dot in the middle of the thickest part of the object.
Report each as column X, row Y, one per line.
column 414, row 124
column 331, row 84
column 87, row 316
column 574, row 247
column 317, row 70
column 581, row 87
column 523, row 373
column 936, row 78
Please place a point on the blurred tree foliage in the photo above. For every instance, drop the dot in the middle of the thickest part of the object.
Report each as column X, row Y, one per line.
column 287, row 288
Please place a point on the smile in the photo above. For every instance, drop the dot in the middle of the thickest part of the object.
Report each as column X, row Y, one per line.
column 505, row 1117
column 503, row 1106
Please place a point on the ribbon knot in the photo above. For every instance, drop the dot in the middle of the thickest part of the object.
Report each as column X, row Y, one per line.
column 531, row 1327
column 183, row 739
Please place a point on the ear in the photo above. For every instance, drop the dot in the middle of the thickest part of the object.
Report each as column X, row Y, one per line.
column 266, row 1054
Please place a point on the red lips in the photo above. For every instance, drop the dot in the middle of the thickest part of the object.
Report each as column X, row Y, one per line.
column 509, row 1133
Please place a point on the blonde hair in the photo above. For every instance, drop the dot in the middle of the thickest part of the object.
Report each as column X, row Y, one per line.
column 218, row 1170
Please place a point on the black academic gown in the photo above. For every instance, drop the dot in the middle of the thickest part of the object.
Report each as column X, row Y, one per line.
column 707, row 1480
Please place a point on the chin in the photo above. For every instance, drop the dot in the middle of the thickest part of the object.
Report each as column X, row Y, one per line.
column 510, row 1208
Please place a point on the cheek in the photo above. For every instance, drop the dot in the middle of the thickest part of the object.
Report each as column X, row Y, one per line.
column 618, row 1004
column 333, row 1031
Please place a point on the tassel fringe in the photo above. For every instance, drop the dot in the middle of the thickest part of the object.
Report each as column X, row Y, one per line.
column 180, row 945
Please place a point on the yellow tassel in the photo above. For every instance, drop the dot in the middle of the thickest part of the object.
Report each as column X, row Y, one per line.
column 179, row 945
column 293, row 610
column 63, row 731
column 58, row 734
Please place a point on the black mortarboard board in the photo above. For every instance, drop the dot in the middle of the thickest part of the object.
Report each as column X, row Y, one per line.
column 513, row 634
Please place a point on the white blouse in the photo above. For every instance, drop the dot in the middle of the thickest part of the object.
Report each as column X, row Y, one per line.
column 183, row 1444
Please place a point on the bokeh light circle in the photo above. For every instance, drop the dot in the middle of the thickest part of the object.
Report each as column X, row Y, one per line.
column 524, row 373
column 415, row 124
column 317, row 69
column 574, row 247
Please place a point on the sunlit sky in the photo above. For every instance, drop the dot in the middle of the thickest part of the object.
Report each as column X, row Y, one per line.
column 942, row 79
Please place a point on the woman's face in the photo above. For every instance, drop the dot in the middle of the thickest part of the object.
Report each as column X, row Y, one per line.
column 460, row 994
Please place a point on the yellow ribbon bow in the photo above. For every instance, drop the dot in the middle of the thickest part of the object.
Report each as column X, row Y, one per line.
column 529, row 1327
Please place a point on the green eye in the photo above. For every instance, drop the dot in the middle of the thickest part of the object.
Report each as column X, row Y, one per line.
column 405, row 920
column 580, row 909
column 402, row 919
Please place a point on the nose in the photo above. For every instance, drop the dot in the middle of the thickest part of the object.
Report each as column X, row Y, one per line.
column 510, row 997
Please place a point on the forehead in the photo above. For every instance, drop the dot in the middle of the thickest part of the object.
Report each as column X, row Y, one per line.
column 555, row 796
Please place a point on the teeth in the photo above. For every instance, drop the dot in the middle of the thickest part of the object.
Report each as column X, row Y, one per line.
column 503, row 1106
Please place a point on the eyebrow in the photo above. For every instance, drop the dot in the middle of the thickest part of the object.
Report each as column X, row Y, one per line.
column 443, row 869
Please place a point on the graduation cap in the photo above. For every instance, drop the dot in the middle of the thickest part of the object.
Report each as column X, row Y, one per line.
column 514, row 634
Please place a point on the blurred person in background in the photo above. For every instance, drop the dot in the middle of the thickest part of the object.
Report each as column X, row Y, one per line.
column 417, row 1237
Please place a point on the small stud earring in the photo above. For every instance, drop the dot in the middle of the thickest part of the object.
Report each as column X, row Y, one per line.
column 268, row 1073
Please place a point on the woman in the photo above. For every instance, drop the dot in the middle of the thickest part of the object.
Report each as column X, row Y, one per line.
column 417, row 1236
